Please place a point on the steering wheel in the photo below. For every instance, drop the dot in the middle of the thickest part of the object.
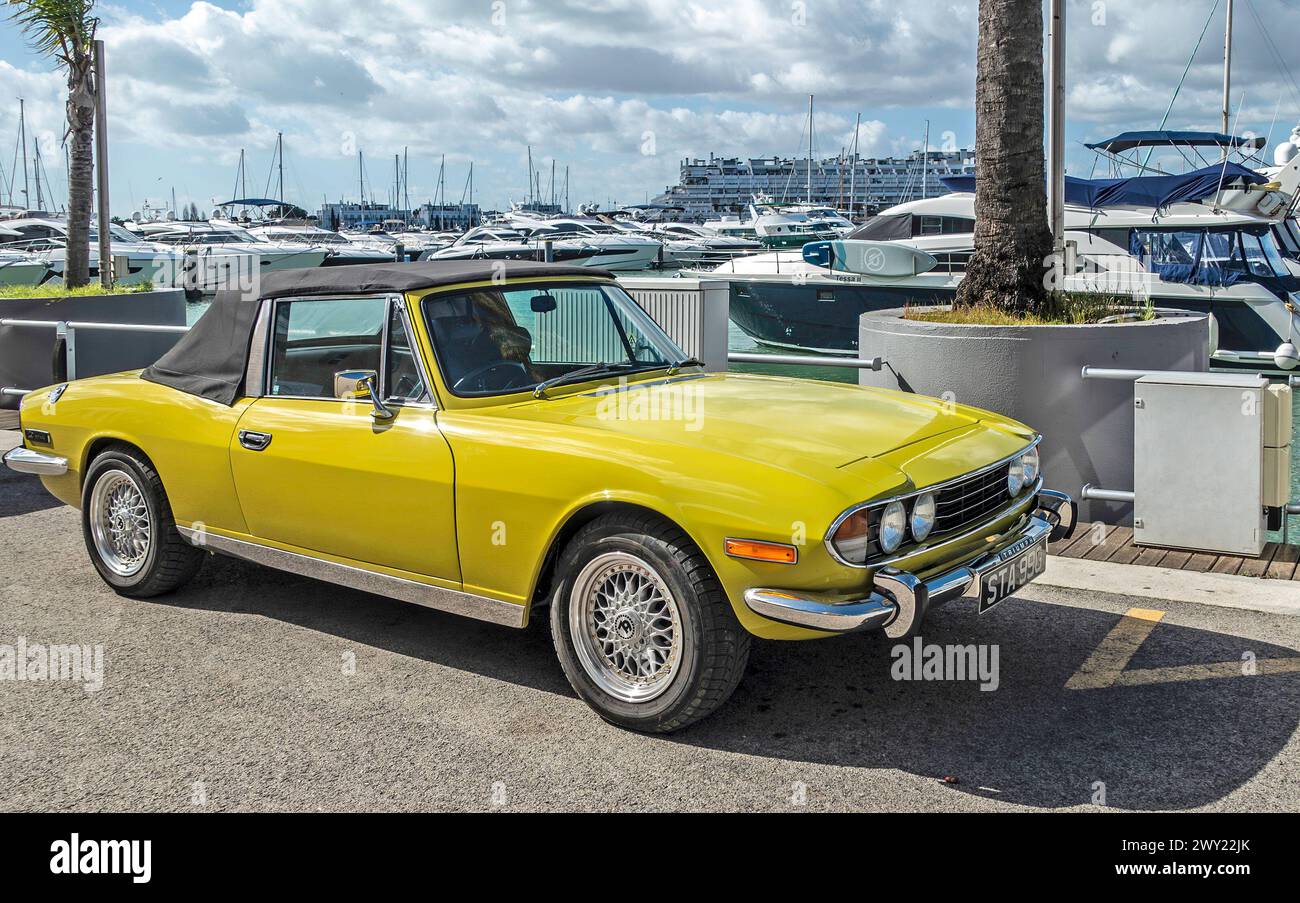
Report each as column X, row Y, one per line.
column 510, row 382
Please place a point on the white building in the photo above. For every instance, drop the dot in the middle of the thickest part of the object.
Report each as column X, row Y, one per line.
column 716, row 186
column 360, row 217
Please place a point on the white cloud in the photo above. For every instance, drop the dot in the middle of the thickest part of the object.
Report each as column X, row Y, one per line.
column 585, row 81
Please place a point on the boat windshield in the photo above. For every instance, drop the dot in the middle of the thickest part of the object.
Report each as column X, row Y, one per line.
column 1210, row 257
column 118, row 234
column 506, row 341
column 309, row 238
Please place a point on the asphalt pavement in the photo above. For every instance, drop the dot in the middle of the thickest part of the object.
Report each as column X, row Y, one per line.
column 254, row 690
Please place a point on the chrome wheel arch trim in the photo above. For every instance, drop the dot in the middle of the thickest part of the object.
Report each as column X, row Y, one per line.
column 466, row 605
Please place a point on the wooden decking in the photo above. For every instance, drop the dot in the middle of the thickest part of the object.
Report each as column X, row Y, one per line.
column 1278, row 563
column 8, row 420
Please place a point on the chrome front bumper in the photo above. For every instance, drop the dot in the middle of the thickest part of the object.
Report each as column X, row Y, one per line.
column 23, row 460
column 901, row 600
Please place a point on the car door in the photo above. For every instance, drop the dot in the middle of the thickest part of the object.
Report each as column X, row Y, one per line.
column 321, row 474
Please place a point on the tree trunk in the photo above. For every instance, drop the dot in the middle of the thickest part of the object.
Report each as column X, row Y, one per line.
column 81, row 171
column 1012, row 235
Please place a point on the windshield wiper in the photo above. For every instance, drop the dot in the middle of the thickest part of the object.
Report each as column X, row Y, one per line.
column 682, row 365
column 593, row 370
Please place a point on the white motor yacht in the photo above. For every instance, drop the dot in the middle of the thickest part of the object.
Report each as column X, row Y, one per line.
column 1204, row 242
column 616, row 249
column 136, row 261
column 224, row 251
column 688, row 245
column 499, row 243
column 19, row 267
column 339, row 250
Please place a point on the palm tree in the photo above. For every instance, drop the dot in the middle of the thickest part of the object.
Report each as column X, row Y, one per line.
column 1012, row 235
column 64, row 30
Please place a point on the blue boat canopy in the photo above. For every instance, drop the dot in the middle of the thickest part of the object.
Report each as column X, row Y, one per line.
column 1142, row 191
column 255, row 202
column 1131, row 140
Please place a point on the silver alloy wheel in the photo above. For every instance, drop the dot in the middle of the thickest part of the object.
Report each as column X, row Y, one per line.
column 119, row 523
column 626, row 627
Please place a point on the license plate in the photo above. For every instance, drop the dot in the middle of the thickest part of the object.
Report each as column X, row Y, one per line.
column 1022, row 568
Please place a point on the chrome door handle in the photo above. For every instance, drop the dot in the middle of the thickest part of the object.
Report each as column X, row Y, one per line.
column 255, row 441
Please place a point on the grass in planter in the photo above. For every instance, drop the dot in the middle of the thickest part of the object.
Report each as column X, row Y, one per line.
column 56, row 290
column 1062, row 309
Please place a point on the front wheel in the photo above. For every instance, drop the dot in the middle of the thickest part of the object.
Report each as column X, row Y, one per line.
column 642, row 628
column 130, row 532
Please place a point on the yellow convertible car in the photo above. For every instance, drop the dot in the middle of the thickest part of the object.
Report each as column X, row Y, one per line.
column 520, row 441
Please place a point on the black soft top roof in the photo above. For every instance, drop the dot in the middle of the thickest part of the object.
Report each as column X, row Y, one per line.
column 410, row 277
column 210, row 361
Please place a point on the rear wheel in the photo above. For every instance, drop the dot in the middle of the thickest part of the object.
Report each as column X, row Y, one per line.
column 129, row 529
column 642, row 627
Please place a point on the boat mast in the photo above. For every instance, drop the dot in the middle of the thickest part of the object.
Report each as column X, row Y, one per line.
column 853, row 175
column 280, row 146
column 22, row 140
column 36, row 167
column 925, row 163
column 1227, row 76
column 361, row 170
column 530, row 175
column 810, row 146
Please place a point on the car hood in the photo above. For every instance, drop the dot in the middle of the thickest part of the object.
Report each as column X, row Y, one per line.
column 789, row 423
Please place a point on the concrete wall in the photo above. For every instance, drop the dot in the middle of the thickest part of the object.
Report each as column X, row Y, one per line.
column 1034, row 374
column 27, row 354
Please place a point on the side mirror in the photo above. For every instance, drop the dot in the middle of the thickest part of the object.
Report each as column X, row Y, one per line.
column 358, row 385
column 545, row 304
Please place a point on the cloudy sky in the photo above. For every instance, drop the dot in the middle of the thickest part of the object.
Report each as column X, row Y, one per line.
column 620, row 90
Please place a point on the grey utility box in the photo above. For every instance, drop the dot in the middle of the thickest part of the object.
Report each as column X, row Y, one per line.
column 1202, row 443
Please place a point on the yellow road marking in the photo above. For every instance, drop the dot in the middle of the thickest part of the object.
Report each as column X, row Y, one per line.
column 1206, row 672
column 1106, row 666
column 1108, row 662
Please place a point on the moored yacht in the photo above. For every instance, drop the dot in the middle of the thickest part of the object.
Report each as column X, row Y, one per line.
column 688, row 245
column 136, row 261
column 1204, row 242
column 222, row 248
column 615, row 249
column 499, row 243
column 340, row 252
column 19, row 267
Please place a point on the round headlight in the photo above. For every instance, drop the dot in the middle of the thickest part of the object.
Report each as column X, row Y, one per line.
column 1016, row 481
column 1033, row 468
column 923, row 516
column 893, row 528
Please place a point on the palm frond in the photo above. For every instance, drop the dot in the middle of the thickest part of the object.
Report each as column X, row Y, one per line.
column 61, row 29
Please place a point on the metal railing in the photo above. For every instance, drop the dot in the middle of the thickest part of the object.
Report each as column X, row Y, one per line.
column 65, row 332
column 791, row 360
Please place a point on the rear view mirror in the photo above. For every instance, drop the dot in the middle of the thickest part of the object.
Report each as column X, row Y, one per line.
column 545, row 304
column 355, row 384
column 358, row 385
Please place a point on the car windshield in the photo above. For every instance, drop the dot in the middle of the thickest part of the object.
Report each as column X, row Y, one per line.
column 505, row 341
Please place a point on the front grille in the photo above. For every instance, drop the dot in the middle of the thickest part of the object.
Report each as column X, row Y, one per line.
column 972, row 501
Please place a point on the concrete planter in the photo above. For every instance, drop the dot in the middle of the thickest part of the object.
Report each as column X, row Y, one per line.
column 27, row 355
column 1034, row 374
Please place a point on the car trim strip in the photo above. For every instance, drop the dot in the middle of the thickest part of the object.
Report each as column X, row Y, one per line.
column 454, row 602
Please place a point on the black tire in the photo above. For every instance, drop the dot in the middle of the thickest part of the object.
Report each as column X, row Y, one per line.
column 170, row 562
column 714, row 647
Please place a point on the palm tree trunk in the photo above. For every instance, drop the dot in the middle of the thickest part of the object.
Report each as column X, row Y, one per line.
column 1012, row 236
column 81, row 171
